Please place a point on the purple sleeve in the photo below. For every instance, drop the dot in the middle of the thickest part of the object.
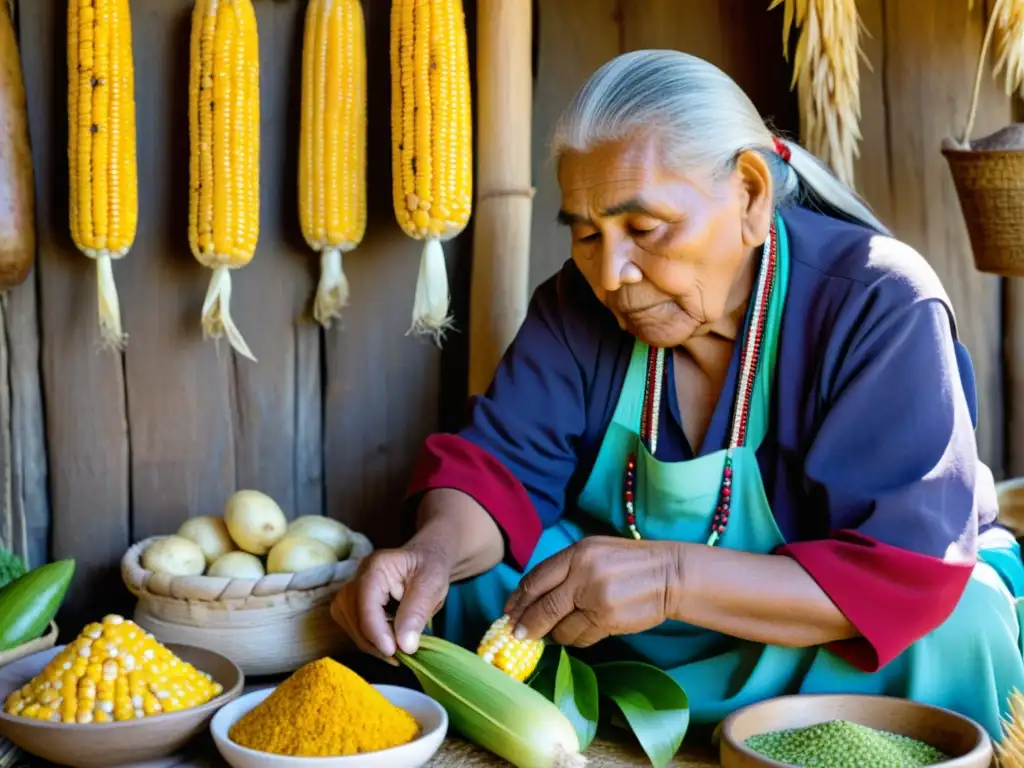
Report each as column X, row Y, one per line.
column 517, row 453
column 893, row 465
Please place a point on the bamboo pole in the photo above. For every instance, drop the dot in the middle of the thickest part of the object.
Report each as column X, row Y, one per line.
column 499, row 289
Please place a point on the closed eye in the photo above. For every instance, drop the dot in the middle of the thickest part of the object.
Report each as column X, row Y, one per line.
column 589, row 238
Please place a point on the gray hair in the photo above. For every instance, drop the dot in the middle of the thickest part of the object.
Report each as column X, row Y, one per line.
column 704, row 120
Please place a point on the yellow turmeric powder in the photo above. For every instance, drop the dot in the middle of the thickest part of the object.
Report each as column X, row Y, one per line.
column 324, row 710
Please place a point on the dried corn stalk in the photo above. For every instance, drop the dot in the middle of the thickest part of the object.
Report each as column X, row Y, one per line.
column 1010, row 749
column 1009, row 40
column 827, row 76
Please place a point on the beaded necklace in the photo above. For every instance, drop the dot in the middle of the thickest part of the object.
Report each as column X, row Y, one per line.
column 750, row 357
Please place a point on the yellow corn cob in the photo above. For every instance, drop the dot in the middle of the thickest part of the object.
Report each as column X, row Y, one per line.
column 516, row 658
column 114, row 670
column 332, row 144
column 432, row 142
column 224, row 169
column 103, row 180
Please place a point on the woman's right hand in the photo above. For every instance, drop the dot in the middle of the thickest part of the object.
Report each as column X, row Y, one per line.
column 417, row 576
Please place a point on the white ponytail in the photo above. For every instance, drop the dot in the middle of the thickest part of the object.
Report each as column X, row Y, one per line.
column 704, row 120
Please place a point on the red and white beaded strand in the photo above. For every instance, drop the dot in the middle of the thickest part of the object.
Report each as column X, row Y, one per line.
column 749, row 359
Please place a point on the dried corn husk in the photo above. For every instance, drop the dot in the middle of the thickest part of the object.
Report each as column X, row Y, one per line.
column 1009, row 42
column 1010, row 749
column 826, row 73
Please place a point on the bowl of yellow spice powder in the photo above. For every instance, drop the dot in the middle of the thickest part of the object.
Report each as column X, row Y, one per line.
column 326, row 715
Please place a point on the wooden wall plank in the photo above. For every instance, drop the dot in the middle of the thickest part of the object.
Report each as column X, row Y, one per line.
column 739, row 37
column 179, row 408
column 929, row 71
column 1014, row 357
column 871, row 171
column 84, row 391
column 568, row 53
column 275, row 291
column 381, row 391
column 29, row 497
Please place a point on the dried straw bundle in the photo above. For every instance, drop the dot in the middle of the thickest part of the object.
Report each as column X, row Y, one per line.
column 826, row 73
column 1009, row 42
column 1010, row 750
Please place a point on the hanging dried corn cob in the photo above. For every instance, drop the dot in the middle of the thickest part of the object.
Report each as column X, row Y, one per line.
column 1009, row 39
column 332, row 144
column 224, row 169
column 432, row 142
column 826, row 73
column 103, row 179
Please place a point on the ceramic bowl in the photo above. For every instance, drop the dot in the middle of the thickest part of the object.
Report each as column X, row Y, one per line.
column 429, row 714
column 107, row 745
column 964, row 740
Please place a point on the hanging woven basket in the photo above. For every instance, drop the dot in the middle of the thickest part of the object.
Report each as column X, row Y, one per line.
column 990, row 185
column 988, row 174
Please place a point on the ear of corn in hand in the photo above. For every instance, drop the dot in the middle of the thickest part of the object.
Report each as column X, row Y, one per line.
column 516, row 658
column 102, row 161
column 332, row 144
column 432, row 143
column 224, row 166
column 491, row 709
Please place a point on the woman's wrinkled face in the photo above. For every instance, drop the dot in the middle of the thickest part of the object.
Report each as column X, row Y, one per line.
column 670, row 256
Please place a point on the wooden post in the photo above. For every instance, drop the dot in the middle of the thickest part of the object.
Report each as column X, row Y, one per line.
column 499, row 289
column 1013, row 348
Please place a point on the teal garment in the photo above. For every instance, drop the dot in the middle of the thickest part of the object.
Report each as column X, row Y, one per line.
column 969, row 664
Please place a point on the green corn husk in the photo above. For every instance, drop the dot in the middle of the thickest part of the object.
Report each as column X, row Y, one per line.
column 493, row 710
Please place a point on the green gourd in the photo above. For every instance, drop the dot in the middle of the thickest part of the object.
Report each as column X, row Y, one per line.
column 28, row 604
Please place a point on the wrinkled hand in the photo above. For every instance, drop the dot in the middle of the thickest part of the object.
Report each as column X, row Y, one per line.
column 416, row 577
column 599, row 587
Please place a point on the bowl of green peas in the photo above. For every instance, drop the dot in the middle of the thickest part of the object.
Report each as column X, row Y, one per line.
column 851, row 731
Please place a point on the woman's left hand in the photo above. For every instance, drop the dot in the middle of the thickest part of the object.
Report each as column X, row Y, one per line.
column 599, row 587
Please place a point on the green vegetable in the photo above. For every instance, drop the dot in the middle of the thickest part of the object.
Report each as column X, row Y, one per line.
column 842, row 744
column 654, row 705
column 11, row 568
column 493, row 710
column 28, row 604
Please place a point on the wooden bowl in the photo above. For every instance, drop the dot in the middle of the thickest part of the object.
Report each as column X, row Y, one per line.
column 1010, row 493
column 964, row 740
column 47, row 640
column 106, row 745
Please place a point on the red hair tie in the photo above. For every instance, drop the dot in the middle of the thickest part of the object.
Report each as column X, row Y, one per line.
column 781, row 149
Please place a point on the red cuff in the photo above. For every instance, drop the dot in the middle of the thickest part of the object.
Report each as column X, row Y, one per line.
column 450, row 461
column 892, row 596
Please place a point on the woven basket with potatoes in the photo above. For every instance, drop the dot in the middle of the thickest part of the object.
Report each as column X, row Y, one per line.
column 249, row 585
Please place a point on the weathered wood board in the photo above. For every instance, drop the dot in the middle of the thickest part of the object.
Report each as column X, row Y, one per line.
column 106, row 448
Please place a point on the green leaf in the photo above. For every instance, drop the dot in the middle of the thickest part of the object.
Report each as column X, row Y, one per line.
column 543, row 678
column 654, row 705
column 576, row 696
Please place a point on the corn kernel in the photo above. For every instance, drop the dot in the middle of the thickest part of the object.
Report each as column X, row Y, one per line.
column 517, row 658
column 112, row 686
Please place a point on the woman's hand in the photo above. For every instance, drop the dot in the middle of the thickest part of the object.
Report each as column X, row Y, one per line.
column 456, row 538
column 416, row 576
column 599, row 587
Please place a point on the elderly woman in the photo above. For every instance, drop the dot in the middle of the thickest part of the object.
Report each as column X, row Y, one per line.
column 734, row 436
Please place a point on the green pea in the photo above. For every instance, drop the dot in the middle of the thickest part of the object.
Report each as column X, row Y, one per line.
column 842, row 744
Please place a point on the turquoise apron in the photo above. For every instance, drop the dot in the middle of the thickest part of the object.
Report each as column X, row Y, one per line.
column 969, row 664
